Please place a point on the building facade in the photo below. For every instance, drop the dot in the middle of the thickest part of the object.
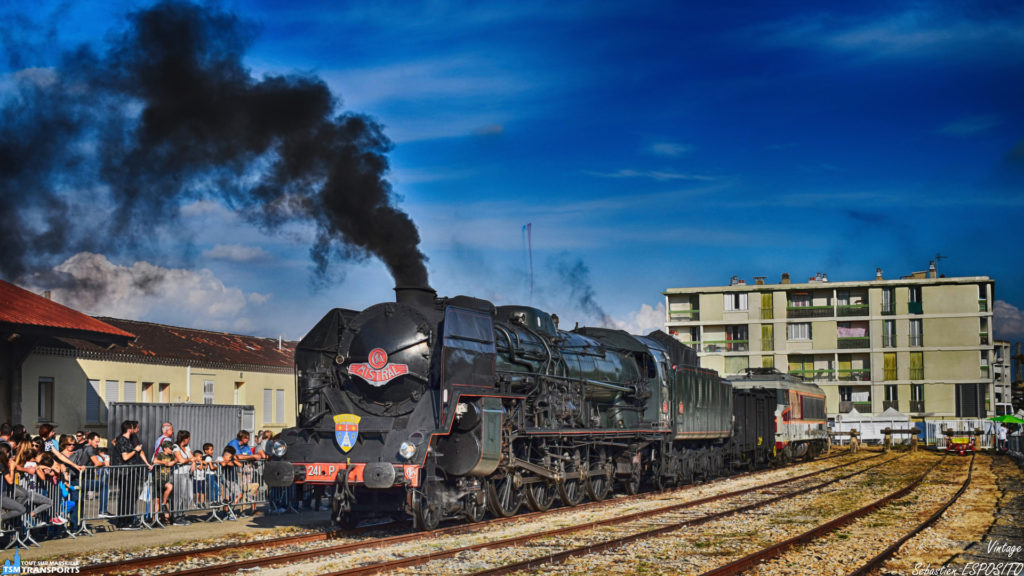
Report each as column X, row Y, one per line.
column 920, row 344
column 70, row 382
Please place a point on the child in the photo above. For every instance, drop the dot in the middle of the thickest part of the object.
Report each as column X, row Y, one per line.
column 163, row 463
column 229, row 479
column 199, row 478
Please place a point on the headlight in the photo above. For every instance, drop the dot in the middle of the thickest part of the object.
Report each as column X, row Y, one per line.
column 407, row 450
column 278, row 448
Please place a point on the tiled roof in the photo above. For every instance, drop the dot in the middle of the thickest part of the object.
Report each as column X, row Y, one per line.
column 20, row 309
column 158, row 343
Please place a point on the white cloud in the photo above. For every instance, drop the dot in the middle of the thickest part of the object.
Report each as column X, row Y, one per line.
column 659, row 175
column 143, row 291
column 669, row 149
column 913, row 33
column 236, row 253
column 1008, row 321
column 643, row 321
column 969, row 125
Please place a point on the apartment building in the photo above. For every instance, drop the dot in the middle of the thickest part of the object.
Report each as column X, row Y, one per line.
column 920, row 344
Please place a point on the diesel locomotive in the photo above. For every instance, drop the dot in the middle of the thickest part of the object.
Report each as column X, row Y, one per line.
column 440, row 408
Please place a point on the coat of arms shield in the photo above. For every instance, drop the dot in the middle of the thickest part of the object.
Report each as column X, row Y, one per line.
column 346, row 430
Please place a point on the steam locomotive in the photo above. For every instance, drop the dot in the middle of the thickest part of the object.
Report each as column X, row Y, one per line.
column 441, row 408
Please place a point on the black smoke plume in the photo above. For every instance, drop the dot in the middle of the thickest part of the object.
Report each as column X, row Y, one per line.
column 100, row 151
column 576, row 275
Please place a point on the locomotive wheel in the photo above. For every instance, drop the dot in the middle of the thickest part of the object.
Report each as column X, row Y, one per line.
column 540, row 495
column 571, row 491
column 425, row 515
column 504, row 496
column 598, row 483
column 657, row 476
column 474, row 507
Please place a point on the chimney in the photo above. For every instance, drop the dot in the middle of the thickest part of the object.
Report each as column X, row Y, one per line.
column 785, row 278
column 734, row 280
column 878, row 274
column 824, row 277
column 415, row 295
column 759, row 280
column 46, row 294
column 279, row 342
column 931, row 269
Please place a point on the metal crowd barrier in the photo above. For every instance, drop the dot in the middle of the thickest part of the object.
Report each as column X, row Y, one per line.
column 139, row 497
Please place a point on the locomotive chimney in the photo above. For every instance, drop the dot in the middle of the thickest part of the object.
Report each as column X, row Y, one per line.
column 415, row 295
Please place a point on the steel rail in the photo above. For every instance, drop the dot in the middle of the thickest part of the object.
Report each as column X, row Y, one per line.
column 534, row 563
column 884, row 555
column 750, row 560
column 129, row 566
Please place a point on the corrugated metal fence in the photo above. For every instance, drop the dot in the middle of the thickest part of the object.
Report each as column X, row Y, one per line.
column 217, row 424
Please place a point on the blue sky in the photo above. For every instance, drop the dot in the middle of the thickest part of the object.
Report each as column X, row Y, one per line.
column 650, row 145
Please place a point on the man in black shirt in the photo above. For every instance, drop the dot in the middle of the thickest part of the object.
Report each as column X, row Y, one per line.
column 128, row 457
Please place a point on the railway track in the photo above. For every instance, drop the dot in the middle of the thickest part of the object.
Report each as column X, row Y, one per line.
column 749, row 561
column 393, row 562
column 267, row 546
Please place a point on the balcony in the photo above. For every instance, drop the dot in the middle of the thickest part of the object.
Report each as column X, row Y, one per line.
column 914, row 308
column 916, row 340
column 809, row 312
column 726, row 345
column 767, row 346
column 886, row 404
column 849, row 342
column 823, row 375
column 855, row 375
column 917, row 405
column 853, row 310
column 846, row 406
column 691, row 344
column 684, row 316
column 916, row 373
column 888, row 340
column 767, row 313
column 982, row 305
column 983, row 336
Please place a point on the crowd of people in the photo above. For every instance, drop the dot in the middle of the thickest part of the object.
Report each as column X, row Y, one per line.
column 43, row 477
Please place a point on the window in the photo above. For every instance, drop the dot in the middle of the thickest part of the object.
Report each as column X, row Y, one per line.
column 736, row 364
column 889, row 359
column 888, row 302
column 736, row 338
column 798, row 331
column 813, row 408
column 268, row 405
column 92, row 402
column 888, row 333
column 891, row 393
column 802, row 366
column 916, row 337
column 917, row 365
column 917, row 392
column 892, row 399
column 843, row 297
column 280, row 407
column 237, row 398
column 846, row 393
column 110, row 392
column 767, row 306
column 129, row 391
column 207, row 391
column 45, row 399
column 914, row 305
column 736, row 301
column 768, row 361
column 799, row 299
column 970, row 400
column 767, row 337
column 147, row 391
column 165, row 392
